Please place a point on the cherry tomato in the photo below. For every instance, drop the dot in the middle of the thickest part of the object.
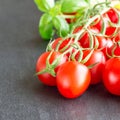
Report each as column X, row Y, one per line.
column 99, row 22
column 111, row 76
column 55, row 43
column 109, row 16
column 73, row 79
column 104, row 44
column 98, row 60
column 117, row 37
column 63, row 43
column 112, row 16
column 114, row 49
column 117, row 50
column 84, row 41
column 77, row 29
column 98, row 25
column 47, row 78
column 110, row 30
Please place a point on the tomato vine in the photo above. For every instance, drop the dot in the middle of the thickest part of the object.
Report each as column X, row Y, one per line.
column 93, row 41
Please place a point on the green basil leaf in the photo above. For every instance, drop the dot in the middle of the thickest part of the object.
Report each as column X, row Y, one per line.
column 70, row 6
column 44, row 5
column 61, row 25
column 46, row 26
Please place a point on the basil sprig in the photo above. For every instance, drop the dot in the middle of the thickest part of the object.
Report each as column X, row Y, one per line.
column 53, row 19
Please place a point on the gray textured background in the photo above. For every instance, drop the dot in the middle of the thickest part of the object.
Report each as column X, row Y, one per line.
column 22, row 96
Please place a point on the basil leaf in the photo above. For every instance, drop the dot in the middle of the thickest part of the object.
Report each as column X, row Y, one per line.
column 70, row 6
column 44, row 5
column 46, row 27
column 61, row 25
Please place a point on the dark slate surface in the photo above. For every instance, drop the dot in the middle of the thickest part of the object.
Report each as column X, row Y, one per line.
column 22, row 96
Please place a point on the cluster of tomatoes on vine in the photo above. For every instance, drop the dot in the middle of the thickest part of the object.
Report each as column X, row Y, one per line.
column 88, row 56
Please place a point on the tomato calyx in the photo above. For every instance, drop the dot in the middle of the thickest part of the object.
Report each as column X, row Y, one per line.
column 51, row 68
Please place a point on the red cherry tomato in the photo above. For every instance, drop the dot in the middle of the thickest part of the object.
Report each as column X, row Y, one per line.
column 104, row 44
column 114, row 49
column 111, row 76
column 84, row 41
column 117, row 37
column 110, row 30
column 98, row 61
column 47, row 78
column 63, row 43
column 77, row 29
column 73, row 79
column 109, row 16
column 112, row 16
column 98, row 25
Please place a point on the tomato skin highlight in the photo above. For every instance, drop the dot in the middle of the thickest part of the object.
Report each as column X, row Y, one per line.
column 105, row 44
column 99, row 59
column 47, row 78
column 73, row 79
column 111, row 76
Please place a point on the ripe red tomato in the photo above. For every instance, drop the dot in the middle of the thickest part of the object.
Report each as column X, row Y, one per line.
column 65, row 44
column 62, row 44
column 109, row 16
column 98, row 25
column 104, row 44
column 99, row 22
column 77, row 29
column 55, row 43
column 98, row 61
column 73, row 79
column 111, row 76
column 110, row 30
column 117, row 37
column 114, row 49
column 112, row 16
column 47, row 78
column 84, row 40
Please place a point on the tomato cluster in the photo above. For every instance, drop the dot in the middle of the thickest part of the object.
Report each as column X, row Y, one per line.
column 88, row 56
